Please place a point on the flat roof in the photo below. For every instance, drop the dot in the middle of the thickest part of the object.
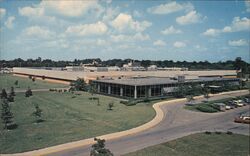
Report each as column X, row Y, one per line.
column 153, row 81
column 138, row 81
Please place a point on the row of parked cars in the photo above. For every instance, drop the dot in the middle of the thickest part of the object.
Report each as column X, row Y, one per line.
column 237, row 103
column 233, row 104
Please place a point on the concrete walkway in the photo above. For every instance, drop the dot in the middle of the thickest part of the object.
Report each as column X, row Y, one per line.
column 150, row 126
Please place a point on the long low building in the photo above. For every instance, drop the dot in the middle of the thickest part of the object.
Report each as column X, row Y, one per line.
column 73, row 75
column 151, row 86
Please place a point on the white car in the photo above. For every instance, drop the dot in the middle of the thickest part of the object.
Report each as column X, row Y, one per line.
column 228, row 107
column 238, row 103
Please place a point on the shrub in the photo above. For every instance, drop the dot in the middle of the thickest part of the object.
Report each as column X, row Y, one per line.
column 217, row 132
column 206, row 108
column 207, row 132
column 146, row 100
column 4, row 94
column 33, row 79
column 16, row 82
column 229, row 132
column 11, row 98
column 110, row 105
column 28, row 93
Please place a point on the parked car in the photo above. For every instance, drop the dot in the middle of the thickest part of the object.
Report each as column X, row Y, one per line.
column 229, row 107
column 239, row 103
column 247, row 100
column 242, row 119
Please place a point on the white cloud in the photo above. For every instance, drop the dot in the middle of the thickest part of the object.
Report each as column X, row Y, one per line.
column 129, row 38
column 9, row 22
column 72, row 8
column 189, row 18
column 137, row 13
column 98, row 28
column 125, row 21
column 110, row 13
column 31, row 11
column 240, row 42
column 171, row 30
column 247, row 2
column 200, row 48
column 211, row 32
column 179, row 44
column 170, row 8
column 238, row 24
column 159, row 43
column 2, row 12
column 38, row 32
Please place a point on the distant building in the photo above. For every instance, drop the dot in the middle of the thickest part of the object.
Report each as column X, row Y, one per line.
column 152, row 68
column 173, row 69
column 133, row 66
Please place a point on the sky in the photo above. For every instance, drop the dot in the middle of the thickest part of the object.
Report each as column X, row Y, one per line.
column 142, row 29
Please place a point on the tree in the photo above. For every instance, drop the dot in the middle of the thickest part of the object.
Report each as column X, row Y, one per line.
column 98, row 149
column 110, row 105
column 190, row 99
column 12, row 91
column 28, row 93
column 4, row 94
column 7, row 115
column 16, row 83
column 206, row 93
column 38, row 114
column 92, row 89
column 79, row 84
column 11, row 98
column 181, row 91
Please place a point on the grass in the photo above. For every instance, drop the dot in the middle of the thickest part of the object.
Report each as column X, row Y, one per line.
column 8, row 80
column 68, row 119
column 200, row 144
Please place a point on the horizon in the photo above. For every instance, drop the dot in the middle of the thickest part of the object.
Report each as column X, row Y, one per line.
column 121, row 59
column 140, row 30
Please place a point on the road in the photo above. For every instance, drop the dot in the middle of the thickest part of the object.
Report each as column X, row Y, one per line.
column 178, row 122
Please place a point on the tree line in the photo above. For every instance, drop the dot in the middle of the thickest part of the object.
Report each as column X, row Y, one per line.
column 39, row 62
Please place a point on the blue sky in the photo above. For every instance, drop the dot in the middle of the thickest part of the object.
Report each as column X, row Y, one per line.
column 143, row 29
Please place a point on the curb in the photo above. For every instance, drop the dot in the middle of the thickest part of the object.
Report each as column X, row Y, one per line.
column 156, row 120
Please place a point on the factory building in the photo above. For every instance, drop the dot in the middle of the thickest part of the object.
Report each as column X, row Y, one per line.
column 147, row 87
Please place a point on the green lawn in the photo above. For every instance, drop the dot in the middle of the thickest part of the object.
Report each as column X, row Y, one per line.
column 68, row 119
column 8, row 80
column 200, row 145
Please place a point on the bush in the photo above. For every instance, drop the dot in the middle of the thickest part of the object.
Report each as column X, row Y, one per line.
column 206, row 108
column 146, row 100
column 11, row 98
column 229, row 132
column 217, row 132
column 207, row 132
